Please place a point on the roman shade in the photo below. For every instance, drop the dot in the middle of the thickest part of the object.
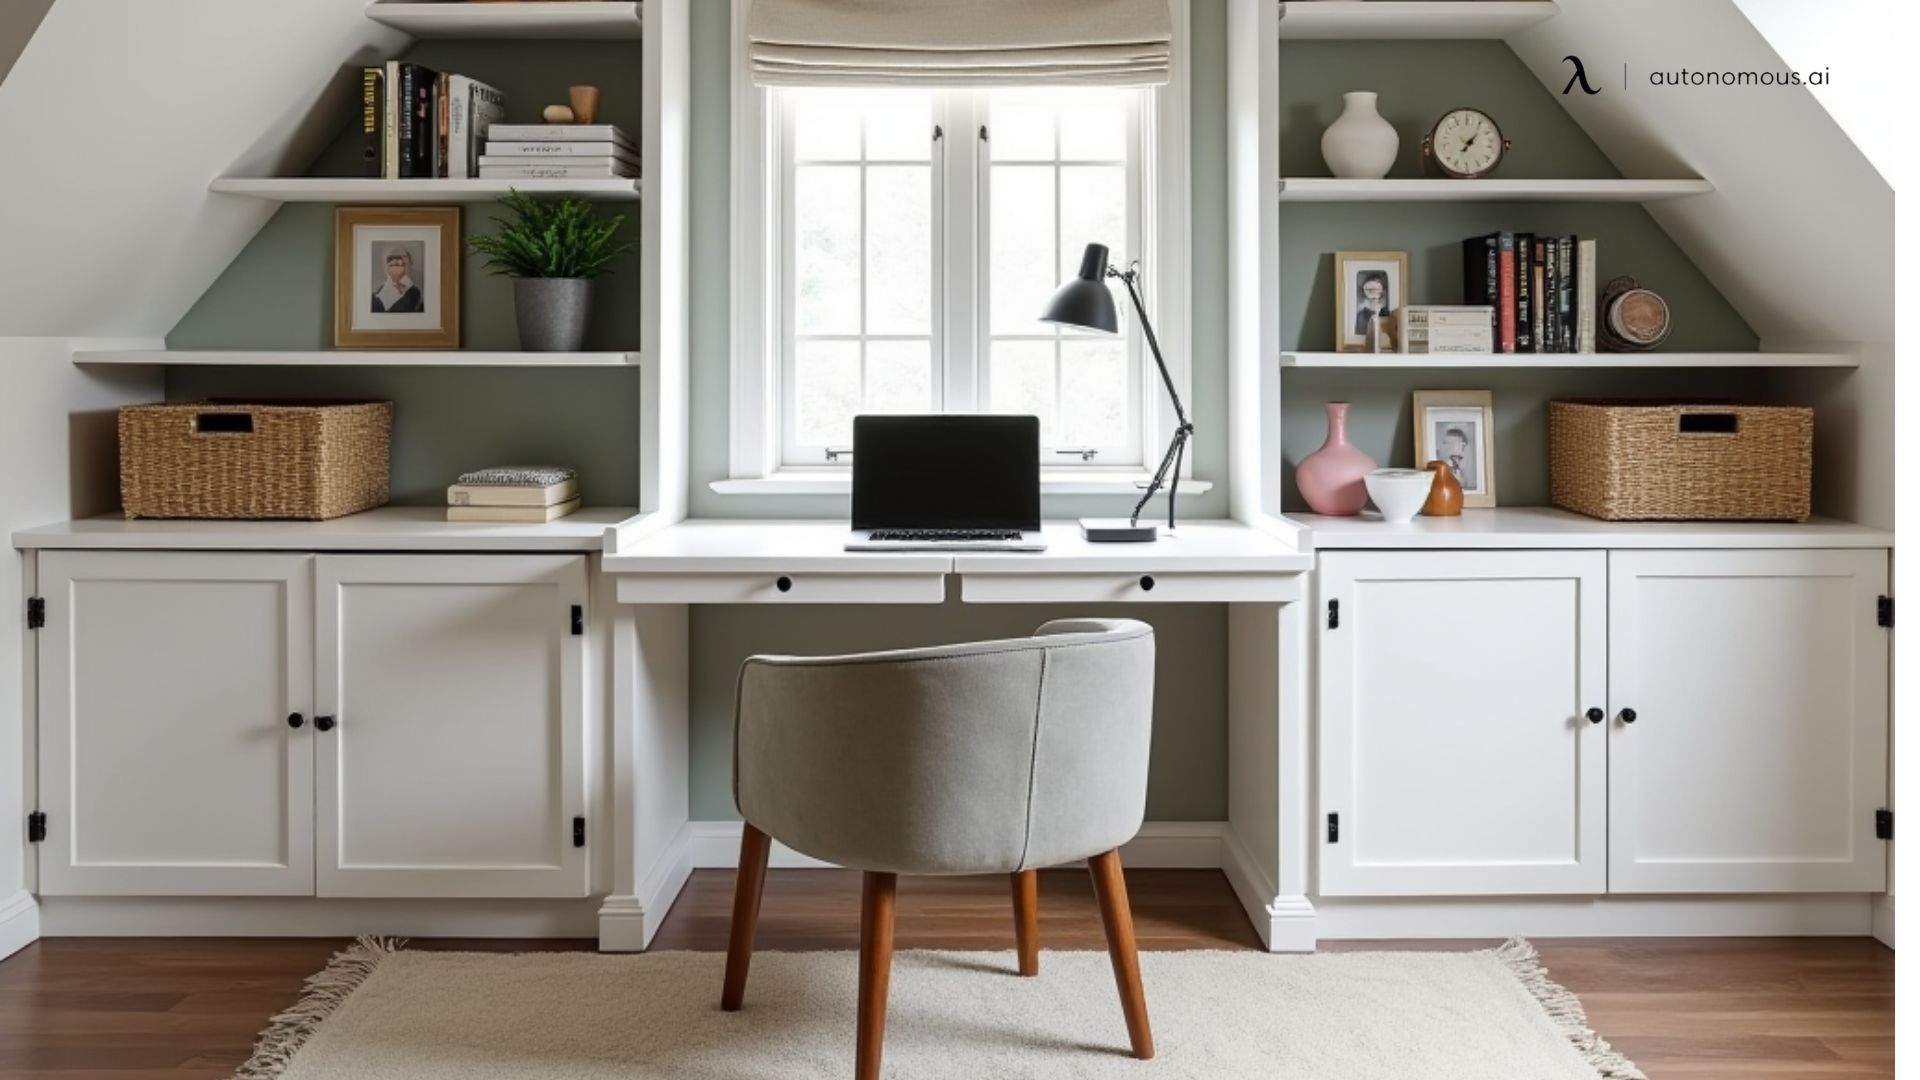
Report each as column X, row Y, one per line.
column 960, row 42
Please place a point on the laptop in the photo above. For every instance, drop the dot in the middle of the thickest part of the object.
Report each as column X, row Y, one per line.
column 938, row 483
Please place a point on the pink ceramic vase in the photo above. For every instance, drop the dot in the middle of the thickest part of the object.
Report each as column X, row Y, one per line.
column 1333, row 479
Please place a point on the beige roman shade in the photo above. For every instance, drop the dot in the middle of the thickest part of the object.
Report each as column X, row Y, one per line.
column 960, row 42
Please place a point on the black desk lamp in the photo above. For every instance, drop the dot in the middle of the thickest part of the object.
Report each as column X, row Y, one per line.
column 1085, row 302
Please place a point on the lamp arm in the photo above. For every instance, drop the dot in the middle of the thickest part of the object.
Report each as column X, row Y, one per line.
column 1131, row 275
column 1176, row 450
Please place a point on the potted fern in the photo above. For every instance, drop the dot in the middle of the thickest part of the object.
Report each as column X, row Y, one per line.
column 552, row 250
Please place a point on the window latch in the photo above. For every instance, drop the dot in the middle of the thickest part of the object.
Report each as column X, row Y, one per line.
column 1084, row 453
column 939, row 133
column 835, row 453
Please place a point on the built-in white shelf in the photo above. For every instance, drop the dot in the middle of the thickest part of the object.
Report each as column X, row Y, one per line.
column 1375, row 19
column 1434, row 361
column 1548, row 527
column 1328, row 189
column 389, row 528
column 548, row 19
column 355, row 358
column 361, row 190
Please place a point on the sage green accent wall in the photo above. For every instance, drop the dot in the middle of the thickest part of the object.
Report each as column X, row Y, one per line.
column 1417, row 82
column 1187, row 772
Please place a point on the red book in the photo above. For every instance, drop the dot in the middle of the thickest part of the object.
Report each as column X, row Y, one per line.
column 1509, row 317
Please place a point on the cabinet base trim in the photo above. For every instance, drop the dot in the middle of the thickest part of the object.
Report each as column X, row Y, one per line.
column 1821, row 915
column 287, row 916
column 1883, row 919
column 628, row 923
column 19, row 923
column 1283, row 923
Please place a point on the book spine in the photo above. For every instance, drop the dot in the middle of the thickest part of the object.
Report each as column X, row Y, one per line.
column 1539, row 298
column 1568, row 318
column 408, row 114
column 1508, row 315
column 1550, row 323
column 370, row 121
column 1523, row 247
column 486, row 107
column 553, row 171
column 458, row 92
column 1480, row 274
column 1589, row 258
column 441, row 101
column 390, row 111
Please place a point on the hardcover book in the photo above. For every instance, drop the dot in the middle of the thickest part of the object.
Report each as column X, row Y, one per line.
column 1509, row 316
column 372, row 130
column 532, row 515
column 1589, row 260
column 559, row 133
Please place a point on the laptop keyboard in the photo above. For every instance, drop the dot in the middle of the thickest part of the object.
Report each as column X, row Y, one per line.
column 920, row 536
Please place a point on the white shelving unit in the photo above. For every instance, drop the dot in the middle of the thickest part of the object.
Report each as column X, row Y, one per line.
column 1327, row 189
column 354, row 358
column 547, row 19
column 1528, row 527
column 361, row 190
column 1378, row 19
column 1676, row 360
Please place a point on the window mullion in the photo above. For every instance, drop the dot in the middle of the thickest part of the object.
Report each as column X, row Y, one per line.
column 961, row 217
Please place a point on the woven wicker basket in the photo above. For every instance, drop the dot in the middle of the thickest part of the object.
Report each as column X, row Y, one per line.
column 307, row 462
column 1658, row 461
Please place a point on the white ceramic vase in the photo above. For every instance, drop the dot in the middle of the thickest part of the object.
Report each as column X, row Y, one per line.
column 1361, row 145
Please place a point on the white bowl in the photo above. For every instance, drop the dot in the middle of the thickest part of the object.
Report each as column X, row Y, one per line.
column 1399, row 493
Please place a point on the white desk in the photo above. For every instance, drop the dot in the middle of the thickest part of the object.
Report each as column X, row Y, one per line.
column 1259, row 577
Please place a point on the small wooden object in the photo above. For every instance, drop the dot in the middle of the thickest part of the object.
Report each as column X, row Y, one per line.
column 557, row 114
column 1447, row 497
column 585, row 101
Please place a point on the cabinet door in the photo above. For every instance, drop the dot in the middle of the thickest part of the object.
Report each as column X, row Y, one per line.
column 1757, row 755
column 168, row 766
column 455, row 764
column 1455, row 742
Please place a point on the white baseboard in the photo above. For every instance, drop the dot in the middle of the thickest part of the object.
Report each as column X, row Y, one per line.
column 1822, row 915
column 1883, row 919
column 1161, row 845
column 304, row 916
column 628, row 923
column 19, row 923
column 1283, row 923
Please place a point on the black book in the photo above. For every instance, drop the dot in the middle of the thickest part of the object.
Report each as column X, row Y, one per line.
column 372, row 138
column 1569, row 292
column 1523, row 253
column 1480, row 276
column 1550, row 328
column 418, row 130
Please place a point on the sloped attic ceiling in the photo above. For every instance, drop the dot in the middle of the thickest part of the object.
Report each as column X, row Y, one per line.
column 1798, row 234
column 117, row 116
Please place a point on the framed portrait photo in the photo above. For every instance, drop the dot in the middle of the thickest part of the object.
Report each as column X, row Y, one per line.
column 1368, row 285
column 1455, row 427
column 396, row 277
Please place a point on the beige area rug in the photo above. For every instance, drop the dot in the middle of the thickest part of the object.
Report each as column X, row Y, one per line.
column 380, row 1014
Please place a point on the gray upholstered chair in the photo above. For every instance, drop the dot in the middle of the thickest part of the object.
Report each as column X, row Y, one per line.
column 995, row 757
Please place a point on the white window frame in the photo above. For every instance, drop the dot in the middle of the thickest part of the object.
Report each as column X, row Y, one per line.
column 755, row 405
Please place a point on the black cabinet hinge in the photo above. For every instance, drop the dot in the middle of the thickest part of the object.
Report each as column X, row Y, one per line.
column 1883, row 824
column 577, row 620
column 1333, row 614
column 36, row 612
column 579, row 832
column 1333, row 828
column 1884, row 611
column 36, row 826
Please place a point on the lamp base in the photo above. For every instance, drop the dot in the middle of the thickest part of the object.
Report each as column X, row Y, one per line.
column 1118, row 531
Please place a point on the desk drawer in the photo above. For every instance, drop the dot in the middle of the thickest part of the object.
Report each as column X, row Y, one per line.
column 758, row 587
column 1157, row 587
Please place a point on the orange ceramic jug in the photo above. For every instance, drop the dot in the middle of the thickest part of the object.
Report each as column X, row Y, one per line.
column 1447, row 497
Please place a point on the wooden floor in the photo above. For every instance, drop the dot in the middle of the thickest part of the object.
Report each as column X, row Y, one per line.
column 1773, row 1009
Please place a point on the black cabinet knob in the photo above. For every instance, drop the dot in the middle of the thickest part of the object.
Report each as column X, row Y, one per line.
column 295, row 720
column 1628, row 716
column 1146, row 582
column 1594, row 716
column 783, row 583
column 323, row 723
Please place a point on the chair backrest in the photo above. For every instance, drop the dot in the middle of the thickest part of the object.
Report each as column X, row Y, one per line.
column 979, row 758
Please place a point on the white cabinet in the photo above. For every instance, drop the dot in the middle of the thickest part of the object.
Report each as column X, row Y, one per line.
column 1757, row 755
column 1457, row 753
column 455, row 762
column 169, row 765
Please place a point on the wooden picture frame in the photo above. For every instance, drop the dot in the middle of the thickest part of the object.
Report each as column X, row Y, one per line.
column 1456, row 426
column 1355, row 271
column 396, row 277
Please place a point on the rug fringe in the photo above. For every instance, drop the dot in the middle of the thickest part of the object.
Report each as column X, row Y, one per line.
column 1565, row 1010
column 320, row 996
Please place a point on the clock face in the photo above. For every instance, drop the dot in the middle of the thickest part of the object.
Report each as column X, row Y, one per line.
column 1466, row 142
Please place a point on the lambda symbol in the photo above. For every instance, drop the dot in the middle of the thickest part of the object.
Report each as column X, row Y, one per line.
column 1579, row 76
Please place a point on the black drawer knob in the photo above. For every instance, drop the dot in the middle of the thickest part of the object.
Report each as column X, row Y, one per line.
column 1146, row 582
column 1628, row 716
column 295, row 720
column 783, row 583
column 323, row 723
column 1594, row 716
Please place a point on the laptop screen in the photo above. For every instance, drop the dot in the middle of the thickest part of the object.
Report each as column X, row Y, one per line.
column 946, row 472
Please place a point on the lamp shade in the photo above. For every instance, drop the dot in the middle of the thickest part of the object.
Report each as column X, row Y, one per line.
column 1085, row 302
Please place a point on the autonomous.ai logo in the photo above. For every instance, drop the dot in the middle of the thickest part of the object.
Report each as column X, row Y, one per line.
column 1579, row 76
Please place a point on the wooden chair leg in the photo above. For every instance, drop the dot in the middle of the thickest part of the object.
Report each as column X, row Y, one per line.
column 1111, row 888
column 747, row 886
column 876, row 966
column 1026, row 920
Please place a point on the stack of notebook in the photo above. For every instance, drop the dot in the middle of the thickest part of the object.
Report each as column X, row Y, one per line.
column 517, row 493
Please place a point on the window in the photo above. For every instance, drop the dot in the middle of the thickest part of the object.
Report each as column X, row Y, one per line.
column 894, row 248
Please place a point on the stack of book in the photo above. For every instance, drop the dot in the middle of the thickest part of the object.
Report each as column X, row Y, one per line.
column 1542, row 290
column 515, row 493
column 417, row 123
column 558, row 152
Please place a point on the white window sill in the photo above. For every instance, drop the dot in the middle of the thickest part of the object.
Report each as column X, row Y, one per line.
column 1051, row 483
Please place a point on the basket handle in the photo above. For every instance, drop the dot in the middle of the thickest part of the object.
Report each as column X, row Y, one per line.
column 1709, row 423
column 223, row 423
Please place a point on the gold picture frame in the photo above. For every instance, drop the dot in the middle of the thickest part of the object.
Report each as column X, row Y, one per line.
column 1353, row 272
column 396, row 277
column 1456, row 427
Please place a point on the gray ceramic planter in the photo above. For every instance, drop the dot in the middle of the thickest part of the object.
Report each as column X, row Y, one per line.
column 552, row 312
